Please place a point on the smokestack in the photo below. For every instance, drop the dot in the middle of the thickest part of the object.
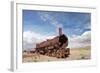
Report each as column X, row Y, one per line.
column 60, row 31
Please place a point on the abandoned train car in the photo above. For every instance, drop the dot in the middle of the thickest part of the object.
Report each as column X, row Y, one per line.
column 55, row 47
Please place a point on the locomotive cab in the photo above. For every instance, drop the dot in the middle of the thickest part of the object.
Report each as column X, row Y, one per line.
column 63, row 39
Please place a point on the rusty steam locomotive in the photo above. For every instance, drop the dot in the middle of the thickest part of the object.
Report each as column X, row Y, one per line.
column 55, row 47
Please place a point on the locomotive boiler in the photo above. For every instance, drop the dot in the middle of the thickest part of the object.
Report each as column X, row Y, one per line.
column 55, row 47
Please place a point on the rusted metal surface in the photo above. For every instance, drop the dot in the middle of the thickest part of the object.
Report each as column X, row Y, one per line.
column 56, row 47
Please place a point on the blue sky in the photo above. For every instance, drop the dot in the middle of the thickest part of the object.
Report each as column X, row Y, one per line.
column 40, row 25
column 43, row 22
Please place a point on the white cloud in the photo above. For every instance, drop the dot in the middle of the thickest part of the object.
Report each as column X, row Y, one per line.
column 51, row 19
column 30, row 39
column 80, row 41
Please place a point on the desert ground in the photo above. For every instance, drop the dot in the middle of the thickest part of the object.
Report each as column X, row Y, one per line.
column 75, row 54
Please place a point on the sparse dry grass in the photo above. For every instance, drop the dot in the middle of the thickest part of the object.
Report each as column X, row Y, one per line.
column 75, row 54
column 80, row 53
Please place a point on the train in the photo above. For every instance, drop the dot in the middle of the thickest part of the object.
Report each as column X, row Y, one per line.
column 55, row 47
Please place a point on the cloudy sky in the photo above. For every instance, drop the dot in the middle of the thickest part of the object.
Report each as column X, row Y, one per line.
column 41, row 25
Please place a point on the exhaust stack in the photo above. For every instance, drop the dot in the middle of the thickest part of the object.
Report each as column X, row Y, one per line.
column 60, row 31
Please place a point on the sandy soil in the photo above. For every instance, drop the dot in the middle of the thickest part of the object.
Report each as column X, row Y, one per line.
column 75, row 54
